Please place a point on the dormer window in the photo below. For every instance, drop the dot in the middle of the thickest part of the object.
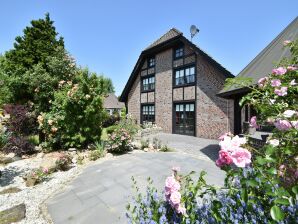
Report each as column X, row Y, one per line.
column 179, row 52
column 151, row 62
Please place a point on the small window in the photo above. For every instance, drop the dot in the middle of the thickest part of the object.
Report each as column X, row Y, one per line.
column 148, row 114
column 148, row 84
column 185, row 76
column 179, row 52
column 151, row 62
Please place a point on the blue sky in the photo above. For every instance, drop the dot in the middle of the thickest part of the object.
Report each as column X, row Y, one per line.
column 108, row 36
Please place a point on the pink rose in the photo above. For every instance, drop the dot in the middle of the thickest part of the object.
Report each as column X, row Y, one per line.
column 225, row 144
column 279, row 71
column 293, row 83
column 253, row 122
column 224, row 158
column 286, row 42
column 175, row 198
column 181, row 210
column 282, row 91
column 171, row 185
column 292, row 68
column 275, row 82
column 282, row 125
column 241, row 157
column 224, row 135
column 237, row 141
column 262, row 81
column 295, row 124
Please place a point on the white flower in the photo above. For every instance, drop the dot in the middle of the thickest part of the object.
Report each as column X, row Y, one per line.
column 289, row 113
column 272, row 101
column 274, row 142
column 293, row 83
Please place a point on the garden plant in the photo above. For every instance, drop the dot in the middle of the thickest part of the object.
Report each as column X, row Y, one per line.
column 261, row 184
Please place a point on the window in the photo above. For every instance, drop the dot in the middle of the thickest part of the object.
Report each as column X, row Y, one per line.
column 151, row 62
column 148, row 84
column 185, row 76
column 148, row 113
column 179, row 52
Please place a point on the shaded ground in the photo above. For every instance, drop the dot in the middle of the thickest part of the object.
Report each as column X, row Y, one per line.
column 101, row 192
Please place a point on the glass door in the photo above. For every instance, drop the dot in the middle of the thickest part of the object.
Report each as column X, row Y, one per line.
column 184, row 116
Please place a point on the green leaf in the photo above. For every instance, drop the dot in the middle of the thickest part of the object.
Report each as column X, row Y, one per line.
column 282, row 201
column 276, row 213
column 272, row 170
column 244, row 194
column 252, row 183
column 295, row 189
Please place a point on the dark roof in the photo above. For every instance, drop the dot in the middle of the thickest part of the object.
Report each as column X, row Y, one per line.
column 167, row 36
column 266, row 60
column 111, row 102
column 169, row 39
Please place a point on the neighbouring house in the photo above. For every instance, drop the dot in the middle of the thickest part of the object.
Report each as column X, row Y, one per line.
column 112, row 104
column 259, row 67
column 174, row 85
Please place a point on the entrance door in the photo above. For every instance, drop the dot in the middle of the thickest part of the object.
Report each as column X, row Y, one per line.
column 184, row 119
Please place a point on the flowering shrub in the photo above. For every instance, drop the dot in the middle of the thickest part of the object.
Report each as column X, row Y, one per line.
column 76, row 114
column 119, row 141
column 261, row 185
column 36, row 176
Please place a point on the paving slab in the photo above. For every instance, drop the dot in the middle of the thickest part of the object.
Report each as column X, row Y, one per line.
column 101, row 193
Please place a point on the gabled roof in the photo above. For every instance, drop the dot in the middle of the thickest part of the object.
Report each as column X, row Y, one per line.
column 169, row 39
column 167, row 36
column 267, row 59
column 111, row 102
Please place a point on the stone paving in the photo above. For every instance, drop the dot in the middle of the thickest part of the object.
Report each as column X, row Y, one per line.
column 101, row 192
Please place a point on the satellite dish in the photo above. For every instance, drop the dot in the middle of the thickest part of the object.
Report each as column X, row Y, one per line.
column 193, row 31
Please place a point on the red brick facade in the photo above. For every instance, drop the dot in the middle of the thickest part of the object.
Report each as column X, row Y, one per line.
column 214, row 115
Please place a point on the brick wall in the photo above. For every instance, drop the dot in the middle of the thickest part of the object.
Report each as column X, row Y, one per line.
column 214, row 115
column 163, row 90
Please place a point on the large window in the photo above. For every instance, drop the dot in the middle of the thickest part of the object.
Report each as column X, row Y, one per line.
column 179, row 52
column 185, row 76
column 148, row 84
column 148, row 113
column 151, row 62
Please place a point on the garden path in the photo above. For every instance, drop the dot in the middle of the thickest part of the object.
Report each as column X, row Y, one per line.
column 99, row 195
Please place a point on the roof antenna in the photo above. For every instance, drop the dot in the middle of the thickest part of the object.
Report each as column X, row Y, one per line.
column 193, row 31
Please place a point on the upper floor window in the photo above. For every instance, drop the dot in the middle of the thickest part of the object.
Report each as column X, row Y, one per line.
column 148, row 113
column 185, row 76
column 151, row 62
column 179, row 52
column 148, row 84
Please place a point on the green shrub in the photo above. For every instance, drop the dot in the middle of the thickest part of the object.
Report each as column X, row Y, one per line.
column 130, row 125
column 98, row 151
column 120, row 141
column 34, row 139
column 111, row 129
column 76, row 115
column 166, row 148
column 63, row 163
column 156, row 143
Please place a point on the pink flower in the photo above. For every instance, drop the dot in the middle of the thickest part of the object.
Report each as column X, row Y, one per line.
column 274, row 142
column 171, row 185
column 253, row 122
column 279, row 71
column 241, row 157
column 224, row 135
column 295, row 124
column 293, row 83
column 275, row 82
column 289, row 113
column 45, row 170
column 262, row 81
column 237, row 141
column 287, row 42
column 175, row 168
column 282, row 125
column 224, row 158
column 175, row 198
column 225, row 144
column 292, row 68
column 181, row 210
column 282, row 91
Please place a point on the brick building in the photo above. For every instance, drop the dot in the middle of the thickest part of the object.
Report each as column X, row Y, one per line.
column 174, row 84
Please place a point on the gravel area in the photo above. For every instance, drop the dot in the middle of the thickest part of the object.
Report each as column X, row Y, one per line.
column 33, row 197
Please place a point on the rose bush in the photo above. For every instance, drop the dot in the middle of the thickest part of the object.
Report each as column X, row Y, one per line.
column 261, row 185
